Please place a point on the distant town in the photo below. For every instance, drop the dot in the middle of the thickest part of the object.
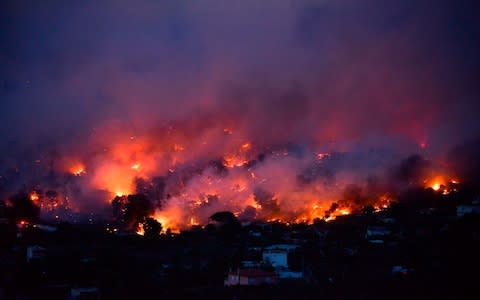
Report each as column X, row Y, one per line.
column 424, row 248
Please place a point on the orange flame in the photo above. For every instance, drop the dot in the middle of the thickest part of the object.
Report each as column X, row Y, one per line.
column 34, row 196
column 140, row 230
column 77, row 169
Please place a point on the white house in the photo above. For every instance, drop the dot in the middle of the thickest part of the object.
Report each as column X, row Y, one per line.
column 277, row 258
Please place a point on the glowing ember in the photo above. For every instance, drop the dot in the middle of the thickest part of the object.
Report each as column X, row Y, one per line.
column 440, row 184
column 193, row 222
column 77, row 170
column 136, row 166
column 232, row 161
column 34, row 196
column 246, row 146
column 120, row 193
column 322, row 156
column 140, row 230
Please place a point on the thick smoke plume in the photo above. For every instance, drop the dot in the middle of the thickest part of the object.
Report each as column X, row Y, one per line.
column 269, row 109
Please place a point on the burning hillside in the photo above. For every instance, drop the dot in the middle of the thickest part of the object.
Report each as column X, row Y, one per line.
column 181, row 181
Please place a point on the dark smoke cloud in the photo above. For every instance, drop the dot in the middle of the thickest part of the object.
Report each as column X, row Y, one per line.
column 370, row 81
column 464, row 159
column 325, row 70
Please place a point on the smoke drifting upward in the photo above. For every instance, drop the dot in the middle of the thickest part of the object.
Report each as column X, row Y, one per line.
column 205, row 106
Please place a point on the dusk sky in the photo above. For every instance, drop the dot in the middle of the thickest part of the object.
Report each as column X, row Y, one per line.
column 283, row 70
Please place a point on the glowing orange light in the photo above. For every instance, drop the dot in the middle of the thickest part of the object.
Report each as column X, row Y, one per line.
column 435, row 183
column 119, row 193
column 140, row 230
column 246, row 146
column 77, row 170
column 193, row 222
column 231, row 161
column 34, row 196
column 322, row 156
column 136, row 166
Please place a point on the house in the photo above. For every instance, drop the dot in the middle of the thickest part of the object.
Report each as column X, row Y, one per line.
column 35, row 253
column 277, row 258
column 462, row 210
column 250, row 277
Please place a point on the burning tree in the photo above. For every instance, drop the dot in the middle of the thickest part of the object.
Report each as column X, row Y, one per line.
column 152, row 227
column 131, row 210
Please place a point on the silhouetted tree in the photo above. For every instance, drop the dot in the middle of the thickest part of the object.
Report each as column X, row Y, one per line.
column 152, row 227
column 368, row 210
column 138, row 208
column 229, row 226
column 23, row 208
column 224, row 217
column 131, row 210
column 118, row 208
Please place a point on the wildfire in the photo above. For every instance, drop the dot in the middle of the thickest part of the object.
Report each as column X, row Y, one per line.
column 322, row 156
column 246, row 146
column 167, row 221
column 34, row 196
column 440, row 184
column 77, row 169
column 231, row 161
column 436, row 186
column 140, row 230
column 193, row 222
column 136, row 166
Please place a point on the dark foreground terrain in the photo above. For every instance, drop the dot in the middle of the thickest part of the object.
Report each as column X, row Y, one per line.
column 420, row 250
